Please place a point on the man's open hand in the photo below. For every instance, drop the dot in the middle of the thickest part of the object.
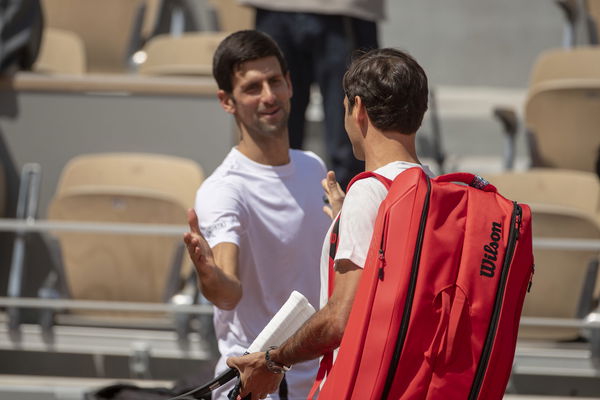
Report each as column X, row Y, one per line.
column 335, row 195
column 198, row 248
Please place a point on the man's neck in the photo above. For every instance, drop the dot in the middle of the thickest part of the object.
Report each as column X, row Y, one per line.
column 389, row 147
column 272, row 151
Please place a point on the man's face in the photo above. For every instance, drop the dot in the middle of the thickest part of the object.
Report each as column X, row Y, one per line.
column 260, row 99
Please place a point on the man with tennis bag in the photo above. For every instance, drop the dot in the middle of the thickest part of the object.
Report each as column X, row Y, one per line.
column 423, row 279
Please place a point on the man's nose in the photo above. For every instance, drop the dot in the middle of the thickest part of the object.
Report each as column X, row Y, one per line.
column 268, row 96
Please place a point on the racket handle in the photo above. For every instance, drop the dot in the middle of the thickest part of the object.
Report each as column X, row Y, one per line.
column 226, row 376
column 236, row 391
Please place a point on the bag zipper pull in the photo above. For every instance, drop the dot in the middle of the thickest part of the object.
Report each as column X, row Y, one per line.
column 382, row 258
column 531, row 278
column 518, row 214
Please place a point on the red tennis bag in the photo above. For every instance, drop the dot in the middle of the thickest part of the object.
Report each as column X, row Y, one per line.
column 437, row 310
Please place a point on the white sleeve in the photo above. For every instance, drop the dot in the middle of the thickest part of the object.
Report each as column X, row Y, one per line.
column 357, row 220
column 221, row 214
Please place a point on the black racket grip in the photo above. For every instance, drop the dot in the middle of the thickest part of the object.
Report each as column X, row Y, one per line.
column 220, row 380
column 236, row 391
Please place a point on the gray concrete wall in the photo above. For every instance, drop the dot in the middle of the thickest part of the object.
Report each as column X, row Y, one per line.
column 474, row 42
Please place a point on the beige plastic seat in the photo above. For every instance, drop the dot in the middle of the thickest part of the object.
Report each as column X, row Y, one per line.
column 110, row 29
column 563, row 205
column 123, row 188
column 189, row 54
column 561, row 111
column 232, row 16
column 151, row 17
column 167, row 174
column 61, row 52
column 560, row 274
column 576, row 63
column 560, row 187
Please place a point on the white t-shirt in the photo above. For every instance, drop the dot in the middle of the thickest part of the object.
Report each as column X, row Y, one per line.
column 274, row 214
column 357, row 221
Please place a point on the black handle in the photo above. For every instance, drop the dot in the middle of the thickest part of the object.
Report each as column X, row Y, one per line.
column 219, row 381
column 236, row 391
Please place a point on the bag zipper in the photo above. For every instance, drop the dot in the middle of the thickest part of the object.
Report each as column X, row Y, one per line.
column 515, row 226
column 409, row 296
column 381, row 253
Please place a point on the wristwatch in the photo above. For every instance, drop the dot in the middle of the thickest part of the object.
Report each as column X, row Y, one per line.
column 273, row 366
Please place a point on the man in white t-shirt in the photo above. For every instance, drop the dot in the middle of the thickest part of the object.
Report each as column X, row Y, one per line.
column 258, row 223
column 386, row 97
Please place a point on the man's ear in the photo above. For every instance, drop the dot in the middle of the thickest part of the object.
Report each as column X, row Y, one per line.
column 360, row 113
column 227, row 101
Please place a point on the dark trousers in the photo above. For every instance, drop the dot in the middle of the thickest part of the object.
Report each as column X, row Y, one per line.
column 318, row 48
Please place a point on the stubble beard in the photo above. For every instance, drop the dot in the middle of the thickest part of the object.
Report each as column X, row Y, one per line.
column 275, row 129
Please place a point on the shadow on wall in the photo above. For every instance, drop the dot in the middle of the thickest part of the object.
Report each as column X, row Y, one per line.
column 9, row 180
column 37, row 262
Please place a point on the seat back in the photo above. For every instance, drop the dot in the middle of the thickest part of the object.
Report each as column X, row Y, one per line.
column 173, row 176
column 61, row 52
column 560, row 187
column 561, row 109
column 575, row 63
column 560, row 274
column 561, row 204
column 188, row 54
column 151, row 18
column 123, row 188
column 232, row 16
column 563, row 119
column 110, row 29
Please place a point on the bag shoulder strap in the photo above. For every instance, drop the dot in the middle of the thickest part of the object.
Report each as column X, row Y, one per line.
column 327, row 360
column 370, row 174
column 333, row 246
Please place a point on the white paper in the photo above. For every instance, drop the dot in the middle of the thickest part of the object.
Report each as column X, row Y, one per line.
column 284, row 323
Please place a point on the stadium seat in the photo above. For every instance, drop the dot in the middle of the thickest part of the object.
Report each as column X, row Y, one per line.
column 111, row 30
column 232, row 16
column 61, row 52
column 564, row 205
column 556, row 64
column 567, row 188
column 561, row 111
column 188, row 54
column 124, row 188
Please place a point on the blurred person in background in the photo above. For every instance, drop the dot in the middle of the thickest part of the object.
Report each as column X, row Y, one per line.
column 21, row 25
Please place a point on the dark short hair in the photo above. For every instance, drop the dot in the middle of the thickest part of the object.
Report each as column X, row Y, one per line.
column 392, row 86
column 239, row 47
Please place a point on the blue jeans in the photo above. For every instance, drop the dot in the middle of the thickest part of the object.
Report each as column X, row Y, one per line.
column 318, row 48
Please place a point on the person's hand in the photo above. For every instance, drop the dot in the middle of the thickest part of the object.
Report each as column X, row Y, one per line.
column 256, row 379
column 198, row 248
column 335, row 195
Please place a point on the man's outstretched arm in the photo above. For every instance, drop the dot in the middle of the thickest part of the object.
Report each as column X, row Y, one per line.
column 217, row 268
column 321, row 333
